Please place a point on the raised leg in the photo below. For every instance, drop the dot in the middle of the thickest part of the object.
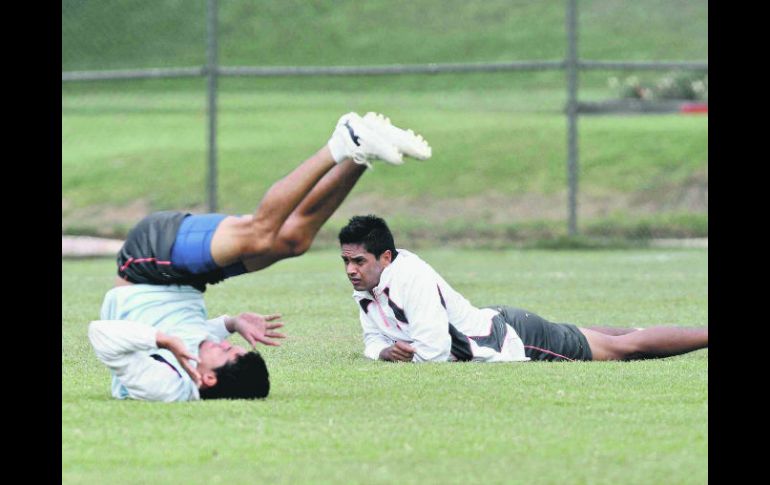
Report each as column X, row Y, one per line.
column 295, row 207
column 255, row 234
column 299, row 230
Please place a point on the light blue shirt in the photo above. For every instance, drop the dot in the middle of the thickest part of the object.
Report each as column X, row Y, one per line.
column 125, row 337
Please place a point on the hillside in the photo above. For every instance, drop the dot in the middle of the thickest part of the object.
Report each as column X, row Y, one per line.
column 499, row 139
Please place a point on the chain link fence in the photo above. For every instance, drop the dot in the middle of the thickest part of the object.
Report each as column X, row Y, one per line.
column 149, row 87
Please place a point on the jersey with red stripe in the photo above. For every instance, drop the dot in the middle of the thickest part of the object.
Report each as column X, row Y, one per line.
column 414, row 304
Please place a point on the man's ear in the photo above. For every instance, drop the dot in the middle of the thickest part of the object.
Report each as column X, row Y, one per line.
column 208, row 379
column 386, row 257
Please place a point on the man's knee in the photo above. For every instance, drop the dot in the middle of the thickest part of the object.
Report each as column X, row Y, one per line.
column 294, row 239
column 293, row 245
column 608, row 347
column 622, row 348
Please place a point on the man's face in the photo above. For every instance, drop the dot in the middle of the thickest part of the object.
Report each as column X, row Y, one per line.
column 362, row 267
column 213, row 355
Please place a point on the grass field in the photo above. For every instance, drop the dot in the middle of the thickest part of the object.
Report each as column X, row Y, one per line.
column 497, row 178
column 499, row 158
column 334, row 417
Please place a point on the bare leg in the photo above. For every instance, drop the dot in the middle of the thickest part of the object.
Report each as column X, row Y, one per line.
column 256, row 234
column 299, row 230
column 614, row 330
column 648, row 343
column 295, row 208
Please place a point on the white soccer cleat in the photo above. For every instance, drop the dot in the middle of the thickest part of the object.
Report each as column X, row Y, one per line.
column 352, row 138
column 407, row 142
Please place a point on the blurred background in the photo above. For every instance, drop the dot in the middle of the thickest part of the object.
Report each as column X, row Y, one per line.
column 499, row 175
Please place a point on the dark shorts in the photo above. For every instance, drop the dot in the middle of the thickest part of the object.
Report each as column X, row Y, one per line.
column 171, row 247
column 544, row 340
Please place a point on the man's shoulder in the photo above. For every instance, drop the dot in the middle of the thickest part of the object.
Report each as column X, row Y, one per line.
column 408, row 265
column 409, row 273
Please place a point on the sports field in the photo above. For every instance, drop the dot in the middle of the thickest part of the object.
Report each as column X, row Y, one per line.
column 497, row 179
column 334, row 417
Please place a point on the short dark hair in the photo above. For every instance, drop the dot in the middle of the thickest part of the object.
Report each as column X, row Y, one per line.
column 370, row 231
column 244, row 378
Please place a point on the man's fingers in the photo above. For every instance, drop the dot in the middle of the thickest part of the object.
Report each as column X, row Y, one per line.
column 265, row 340
column 274, row 335
column 399, row 355
column 274, row 325
column 269, row 342
column 272, row 317
column 405, row 347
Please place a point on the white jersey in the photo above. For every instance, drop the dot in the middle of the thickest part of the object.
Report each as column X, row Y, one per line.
column 413, row 303
column 124, row 339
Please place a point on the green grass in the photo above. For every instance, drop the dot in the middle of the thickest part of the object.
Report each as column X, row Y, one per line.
column 134, row 34
column 487, row 147
column 151, row 147
column 334, row 417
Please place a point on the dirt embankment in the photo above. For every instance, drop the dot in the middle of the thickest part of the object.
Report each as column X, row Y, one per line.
column 493, row 209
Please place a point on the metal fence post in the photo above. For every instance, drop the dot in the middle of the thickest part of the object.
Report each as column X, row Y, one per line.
column 572, row 149
column 212, row 68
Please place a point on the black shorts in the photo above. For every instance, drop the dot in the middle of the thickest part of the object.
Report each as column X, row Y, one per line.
column 146, row 254
column 544, row 340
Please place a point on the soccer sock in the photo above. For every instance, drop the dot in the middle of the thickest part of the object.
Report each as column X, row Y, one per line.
column 338, row 146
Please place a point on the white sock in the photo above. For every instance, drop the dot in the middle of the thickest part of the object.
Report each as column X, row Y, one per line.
column 337, row 146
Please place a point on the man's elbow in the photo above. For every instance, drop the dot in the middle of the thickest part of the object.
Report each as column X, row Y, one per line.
column 95, row 331
column 99, row 336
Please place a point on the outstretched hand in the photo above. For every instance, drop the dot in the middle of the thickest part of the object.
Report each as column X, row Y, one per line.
column 183, row 356
column 258, row 328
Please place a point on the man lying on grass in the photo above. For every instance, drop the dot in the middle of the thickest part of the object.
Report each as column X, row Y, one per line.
column 154, row 334
column 410, row 313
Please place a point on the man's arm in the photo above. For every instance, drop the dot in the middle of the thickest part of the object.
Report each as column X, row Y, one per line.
column 374, row 341
column 428, row 320
column 218, row 327
column 378, row 346
column 428, row 326
column 122, row 346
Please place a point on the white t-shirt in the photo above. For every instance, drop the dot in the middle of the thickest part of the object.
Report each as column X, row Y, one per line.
column 124, row 339
column 413, row 303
